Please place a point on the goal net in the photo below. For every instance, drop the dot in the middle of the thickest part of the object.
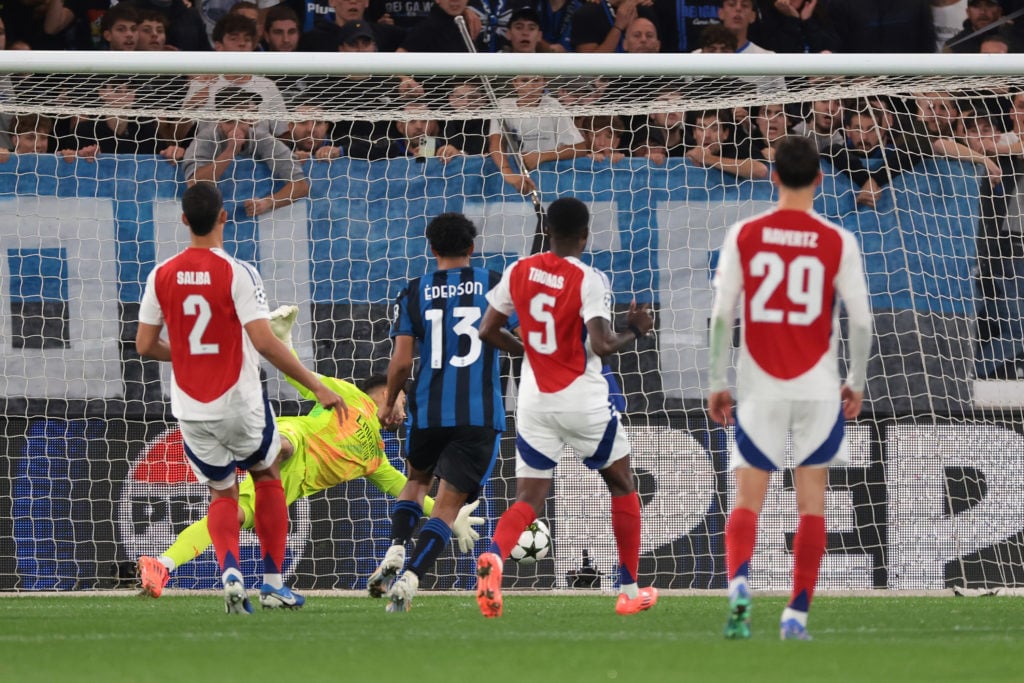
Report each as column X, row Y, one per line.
column 361, row 151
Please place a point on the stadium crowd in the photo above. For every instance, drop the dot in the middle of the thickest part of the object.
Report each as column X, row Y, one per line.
column 872, row 140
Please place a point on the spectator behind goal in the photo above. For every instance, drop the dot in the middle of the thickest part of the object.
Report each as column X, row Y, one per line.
column 218, row 143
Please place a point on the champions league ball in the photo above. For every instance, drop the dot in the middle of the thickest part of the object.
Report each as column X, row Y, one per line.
column 534, row 544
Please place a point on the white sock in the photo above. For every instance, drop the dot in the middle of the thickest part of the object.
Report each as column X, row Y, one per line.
column 736, row 584
column 273, row 580
column 790, row 613
column 630, row 589
column 167, row 562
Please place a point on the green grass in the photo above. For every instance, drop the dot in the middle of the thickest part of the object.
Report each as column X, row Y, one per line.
column 540, row 638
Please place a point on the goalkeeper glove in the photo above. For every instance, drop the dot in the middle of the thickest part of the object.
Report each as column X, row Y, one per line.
column 463, row 529
column 281, row 320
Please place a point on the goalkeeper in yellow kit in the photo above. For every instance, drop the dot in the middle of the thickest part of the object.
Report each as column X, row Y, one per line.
column 317, row 452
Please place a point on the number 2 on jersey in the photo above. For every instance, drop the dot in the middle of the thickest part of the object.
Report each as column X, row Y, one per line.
column 196, row 305
column 465, row 316
column 804, row 279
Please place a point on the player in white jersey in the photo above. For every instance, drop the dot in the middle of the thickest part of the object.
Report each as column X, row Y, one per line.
column 217, row 320
column 789, row 268
column 565, row 319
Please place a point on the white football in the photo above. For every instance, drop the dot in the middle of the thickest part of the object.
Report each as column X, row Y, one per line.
column 534, row 544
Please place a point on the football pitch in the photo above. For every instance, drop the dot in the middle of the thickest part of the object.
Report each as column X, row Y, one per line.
column 540, row 638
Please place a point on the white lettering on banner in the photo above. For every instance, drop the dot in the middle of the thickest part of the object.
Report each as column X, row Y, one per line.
column 691, row 232
column 921, row 538
column 431, row 292
column 685, row 489
column 89, row 367
column 772, row 565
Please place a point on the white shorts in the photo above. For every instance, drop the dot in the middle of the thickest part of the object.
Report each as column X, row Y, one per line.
column 816, row 428
column 596, row 436
column 215, row 448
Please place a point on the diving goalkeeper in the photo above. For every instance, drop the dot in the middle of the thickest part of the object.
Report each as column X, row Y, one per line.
column 316, row 454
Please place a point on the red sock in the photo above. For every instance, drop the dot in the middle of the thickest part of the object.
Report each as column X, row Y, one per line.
column 626, row 526
column 271, row 523
column 222, row 521
column 740, row 536
column 808, row 548
column 510, row 527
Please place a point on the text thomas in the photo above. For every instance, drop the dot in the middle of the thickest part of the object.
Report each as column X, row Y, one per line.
column 547, row 279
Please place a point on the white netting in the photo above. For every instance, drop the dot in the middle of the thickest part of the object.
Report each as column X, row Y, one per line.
column 329, row 191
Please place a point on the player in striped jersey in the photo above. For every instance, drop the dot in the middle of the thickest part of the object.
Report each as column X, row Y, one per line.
column 565, row 316
column 216, row 315
column 455, row 406
column 787, row 268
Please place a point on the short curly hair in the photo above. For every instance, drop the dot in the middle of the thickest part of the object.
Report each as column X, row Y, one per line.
column 451, row 234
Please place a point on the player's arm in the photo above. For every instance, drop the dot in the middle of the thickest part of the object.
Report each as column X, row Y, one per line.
column 596, row 296
column 151, row 321
column 494, row 331
column 149, row 344
column 852, row 288
column 494, row 326
column 399, row 372
column 728, row 285
column 605, row 341
column 280, row 356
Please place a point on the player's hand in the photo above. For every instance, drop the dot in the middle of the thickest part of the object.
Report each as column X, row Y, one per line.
column 720, row 407
column 282, row 319
column 852, row 402
column 522, row 183
column 640, row 317
column 474, row 23
column 258, row 207
column 330, row 400
column 390, row 416
column 462, row 527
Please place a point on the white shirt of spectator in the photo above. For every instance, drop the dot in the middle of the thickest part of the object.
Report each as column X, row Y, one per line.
column 762, row 83
column 949, row 21
column 541, row 133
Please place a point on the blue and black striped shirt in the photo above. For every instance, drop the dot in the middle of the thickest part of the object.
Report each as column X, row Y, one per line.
column 458, row 383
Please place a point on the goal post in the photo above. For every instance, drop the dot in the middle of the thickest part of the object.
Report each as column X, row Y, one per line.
column 922, row 160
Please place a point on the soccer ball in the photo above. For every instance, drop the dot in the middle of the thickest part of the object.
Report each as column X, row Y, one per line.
column 534, row 544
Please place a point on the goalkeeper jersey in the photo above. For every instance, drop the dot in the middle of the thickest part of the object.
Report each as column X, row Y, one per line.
column 333, row 451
